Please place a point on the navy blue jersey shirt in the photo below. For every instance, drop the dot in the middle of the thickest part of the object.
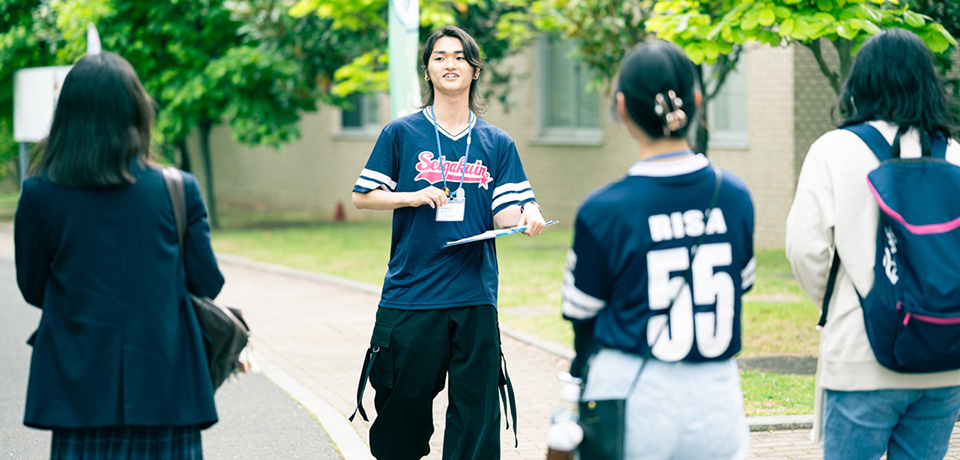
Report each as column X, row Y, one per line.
column 422, row 274
column 630, row 252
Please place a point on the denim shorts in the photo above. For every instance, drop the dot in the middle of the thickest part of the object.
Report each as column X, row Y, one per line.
column 677, row 410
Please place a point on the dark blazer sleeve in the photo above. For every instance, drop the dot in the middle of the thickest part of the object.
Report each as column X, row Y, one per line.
column 32, row 248
column 203, row 274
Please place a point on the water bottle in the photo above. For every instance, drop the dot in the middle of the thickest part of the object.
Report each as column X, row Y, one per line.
column 565, row 434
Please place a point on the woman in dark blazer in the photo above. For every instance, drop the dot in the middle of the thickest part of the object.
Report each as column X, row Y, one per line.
column 118, row 368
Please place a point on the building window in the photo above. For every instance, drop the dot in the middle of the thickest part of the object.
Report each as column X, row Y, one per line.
column 362, row 114
column 569, row 112
column 727, row 112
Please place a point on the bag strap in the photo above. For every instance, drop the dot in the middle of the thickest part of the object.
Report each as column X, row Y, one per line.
column 686, row 275
column 174, row 181
column 831, row 281
column 935, row 146
column 883, row 151
column 939, row 147
column 874, row 140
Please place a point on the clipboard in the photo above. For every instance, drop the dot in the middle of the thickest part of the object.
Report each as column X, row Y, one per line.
column 489, row 234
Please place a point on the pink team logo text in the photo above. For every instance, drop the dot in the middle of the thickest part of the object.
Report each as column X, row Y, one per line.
column 429, row 170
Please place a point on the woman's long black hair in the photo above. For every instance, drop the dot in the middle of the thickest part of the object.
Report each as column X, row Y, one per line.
column 100, row 126
column 893, row 79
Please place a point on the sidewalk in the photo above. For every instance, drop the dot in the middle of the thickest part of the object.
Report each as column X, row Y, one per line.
column 258, row 420
column 316, row 329
column 311, row 332
column 318, row 332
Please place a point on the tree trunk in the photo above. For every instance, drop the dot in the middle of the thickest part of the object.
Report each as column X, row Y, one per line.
column 845, row 53
column 703, row 135
column 833, row 77
column 184, row 155
column 205, row 127
column 702, row 138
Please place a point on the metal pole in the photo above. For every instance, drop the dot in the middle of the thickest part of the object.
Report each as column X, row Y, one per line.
column 404, row 33
column 24, row 160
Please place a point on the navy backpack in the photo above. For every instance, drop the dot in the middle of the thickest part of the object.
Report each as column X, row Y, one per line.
column 912, row 313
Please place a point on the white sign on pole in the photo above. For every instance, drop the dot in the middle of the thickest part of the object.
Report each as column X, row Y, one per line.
column 404, row 33
column 35, row 93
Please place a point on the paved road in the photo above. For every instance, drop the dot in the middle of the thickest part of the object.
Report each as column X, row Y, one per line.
column 257, row 419
column 311, row 333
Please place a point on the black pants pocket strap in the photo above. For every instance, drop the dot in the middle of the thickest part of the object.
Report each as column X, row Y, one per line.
column 364, row 375
column 506, row 389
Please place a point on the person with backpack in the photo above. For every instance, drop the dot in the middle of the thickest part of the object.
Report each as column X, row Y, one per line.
column 654, row 279
column 871, row 241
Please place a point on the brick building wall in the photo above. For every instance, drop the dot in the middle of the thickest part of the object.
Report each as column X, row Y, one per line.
column 766, row 164
column 310, row 176
column 307, row 177
column 788, row 107
column 561, row 173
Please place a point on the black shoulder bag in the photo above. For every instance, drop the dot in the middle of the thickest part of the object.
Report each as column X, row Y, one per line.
column 225, row 327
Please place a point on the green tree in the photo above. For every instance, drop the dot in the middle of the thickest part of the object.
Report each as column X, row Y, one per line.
column 604, row 30
column 23, row 43
column 199, row 61
column 946, row 14
column 500, row 27
column 842, row 24
column 708, row 30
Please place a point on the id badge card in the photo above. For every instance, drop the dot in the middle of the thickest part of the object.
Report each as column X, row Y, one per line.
column 452, row 211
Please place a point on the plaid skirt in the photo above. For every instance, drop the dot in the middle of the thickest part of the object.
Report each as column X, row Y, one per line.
column 127, row 443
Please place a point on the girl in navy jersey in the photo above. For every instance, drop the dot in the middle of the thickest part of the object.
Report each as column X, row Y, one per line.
column 659, row 262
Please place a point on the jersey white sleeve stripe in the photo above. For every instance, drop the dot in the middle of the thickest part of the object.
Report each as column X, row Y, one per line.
column 513, row 187
column 379, row 177
column 576, row 303
column 749, row 274
column 512, row 198
column 369, row 184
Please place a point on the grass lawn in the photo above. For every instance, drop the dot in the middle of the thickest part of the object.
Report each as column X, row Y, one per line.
column 778, row 319
column 776, row 394
column 8, row 205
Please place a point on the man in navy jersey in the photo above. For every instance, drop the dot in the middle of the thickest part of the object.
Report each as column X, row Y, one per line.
column 446, row 174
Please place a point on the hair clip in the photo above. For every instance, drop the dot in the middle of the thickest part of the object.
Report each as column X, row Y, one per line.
column 658, row 108
column 670, row 112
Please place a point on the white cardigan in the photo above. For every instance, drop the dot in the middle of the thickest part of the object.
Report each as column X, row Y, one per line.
column 833, row 207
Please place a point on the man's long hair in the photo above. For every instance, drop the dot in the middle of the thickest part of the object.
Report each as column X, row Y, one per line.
column 470, row 51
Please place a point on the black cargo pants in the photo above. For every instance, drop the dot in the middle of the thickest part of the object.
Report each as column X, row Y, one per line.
column 411, row 354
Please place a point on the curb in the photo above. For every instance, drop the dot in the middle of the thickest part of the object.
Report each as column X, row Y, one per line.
column 345, row 439
column 287, row 271
column 780, row 422
column 757, row 423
